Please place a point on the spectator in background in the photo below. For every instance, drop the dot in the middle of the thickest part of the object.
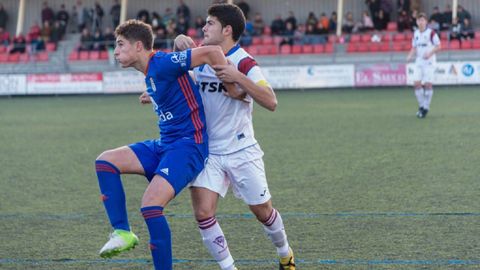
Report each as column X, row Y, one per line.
column 403, row 5
column 348, row 23
column 62, row 18
column 143, row 16
column 311, row 20
column 98, row 42
column 291, row 19
column 84, row 16
column 467, row 29
column 199, row 23
column 387, row 7
column 373, row 7
column 86, row 40
column 19, row 44
column 258, row 25
column 310, row 36
column 244, row 7
column 184, row 11
column 332, row 23
column 288, row 34
column 182, row 26
column 47, row 13
column 322, row 33
column 403, row 21
column 367, row 22
column 46, row 31
column 115, row 13
column 463, row 14
column 172, row 30
column 98, row 14
column 4, row 37
column 434, row 25
column 413, row 19
column 160, row 40
column 324, row 21
column 57, row 33
column 34, row 32
column 157, row 22
column 3, row 17
column 436, row 16
column 278, row 25
column 168, row 16
column 447, row 17
column 72, row 27
column 299, row 34
column 456, row 30
column 381, row 21
column 109, row 38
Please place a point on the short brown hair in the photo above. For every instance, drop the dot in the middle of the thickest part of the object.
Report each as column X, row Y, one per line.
column 422, row 15
column 229, row 14
column 135, row 30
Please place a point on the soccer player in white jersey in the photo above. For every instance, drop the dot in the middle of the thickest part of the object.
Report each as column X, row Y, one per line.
column 235, row 157
column 425, row 44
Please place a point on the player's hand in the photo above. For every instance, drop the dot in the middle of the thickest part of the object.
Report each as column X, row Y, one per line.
column 144, row 98
column 182, row 43
column 226, row 73
column 239, row 94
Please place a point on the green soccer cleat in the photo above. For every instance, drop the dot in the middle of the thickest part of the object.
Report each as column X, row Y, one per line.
column 287, row 263
column 120, row 241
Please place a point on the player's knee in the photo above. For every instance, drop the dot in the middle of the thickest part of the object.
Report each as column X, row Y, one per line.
column 428, row 86
column 107, row 155
column 204, row 212
column 417, row 85
column 262, row 211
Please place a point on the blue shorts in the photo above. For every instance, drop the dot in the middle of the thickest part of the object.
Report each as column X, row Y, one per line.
column 179, row 163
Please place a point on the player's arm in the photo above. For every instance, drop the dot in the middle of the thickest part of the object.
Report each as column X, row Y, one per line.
column 261, row 92
column 436, row 48
column 183, row 42
column 213, row 56
column 144, row 98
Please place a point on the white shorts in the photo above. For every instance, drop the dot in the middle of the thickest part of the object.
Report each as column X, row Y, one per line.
column 243, row 170
column 424, row 73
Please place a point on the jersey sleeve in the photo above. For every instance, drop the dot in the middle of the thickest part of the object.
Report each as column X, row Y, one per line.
column 435, row 39
column 250, row 68
column 175, row 64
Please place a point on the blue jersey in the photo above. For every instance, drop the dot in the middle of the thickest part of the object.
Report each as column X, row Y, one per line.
column 175, row 97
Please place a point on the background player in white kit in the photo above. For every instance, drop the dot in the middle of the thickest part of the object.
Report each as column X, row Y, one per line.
column 235, row 157
column 425, row 44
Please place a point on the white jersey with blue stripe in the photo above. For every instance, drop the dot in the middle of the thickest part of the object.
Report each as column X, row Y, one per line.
column 175, row 97
column 229, row 121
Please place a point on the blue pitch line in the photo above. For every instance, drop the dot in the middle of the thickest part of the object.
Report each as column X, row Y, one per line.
column 243, row 262
column 251, row 216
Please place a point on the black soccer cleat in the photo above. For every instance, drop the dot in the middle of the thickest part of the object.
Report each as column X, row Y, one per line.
column 420, row 112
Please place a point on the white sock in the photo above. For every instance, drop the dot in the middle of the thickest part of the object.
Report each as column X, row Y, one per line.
column 214, row 240
column 276, row 232
column 428, row 98
column 419, row 93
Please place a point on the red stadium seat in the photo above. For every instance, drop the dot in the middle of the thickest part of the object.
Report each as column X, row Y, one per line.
column 398, row 46
column 264, row 50
column 476, row 44
column 392, row 26
column 329, row 48
column 296, row 49
column 384, row 46
column 285, row 49
column 467, row 45
column 94, row 55
column 104, row 55
column 332, row 38
column 408, row 36
column 318, row 48
column 454, row 45
column 41, row 56
column 256, row 41
column 387, row 37
column 399, row 37
column 444, row 35
column 14, row 57
column 351, row 47
column 83, row 55
column 267, row 40
column 191, row 32
column 363, row 47
column 267, row 31
column 73, row 56
column 253, row 50
column 366, row 38
column 50, row 47
column 354, row 38
column 374, row 47
column 477, row 35
column 307, row 48
column 277, row 40
column 3, row 49
column 3, row 57
column 24, row 57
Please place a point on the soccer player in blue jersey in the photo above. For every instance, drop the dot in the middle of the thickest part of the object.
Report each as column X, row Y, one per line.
column 170, row 162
